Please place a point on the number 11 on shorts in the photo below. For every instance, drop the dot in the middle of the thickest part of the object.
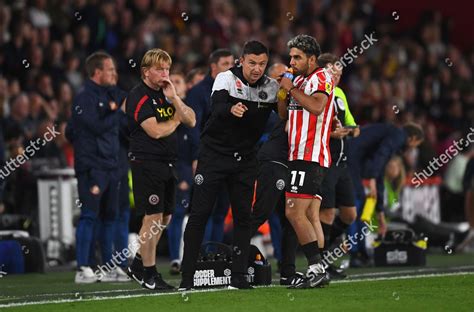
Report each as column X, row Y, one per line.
column 294, row 173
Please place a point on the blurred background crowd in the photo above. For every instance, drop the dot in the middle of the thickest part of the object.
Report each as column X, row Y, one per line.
column 415, row 74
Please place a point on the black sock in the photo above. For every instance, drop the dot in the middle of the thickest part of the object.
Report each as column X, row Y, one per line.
column 137, row 263
column 150, row 272
column 327, row 229
column 338, row 227
column 311, row 251
column 321, row 252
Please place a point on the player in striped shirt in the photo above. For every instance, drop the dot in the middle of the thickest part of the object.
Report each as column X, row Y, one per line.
column 310, row 114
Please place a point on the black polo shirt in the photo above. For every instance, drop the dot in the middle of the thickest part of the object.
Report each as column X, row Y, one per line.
column 144, row 102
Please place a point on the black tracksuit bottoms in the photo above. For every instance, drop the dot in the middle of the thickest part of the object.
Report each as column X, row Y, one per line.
column 238, row 174
column 270, row 196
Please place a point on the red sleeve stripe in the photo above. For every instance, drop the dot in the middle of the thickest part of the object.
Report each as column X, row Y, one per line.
column 139, row 106
column 304, row 196
column 321, row 81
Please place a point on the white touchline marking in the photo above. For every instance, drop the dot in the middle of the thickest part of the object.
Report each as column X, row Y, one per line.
column 352, row 277
column 375, row 279
column 467, row 267
column 95, row 298
column 78, row 292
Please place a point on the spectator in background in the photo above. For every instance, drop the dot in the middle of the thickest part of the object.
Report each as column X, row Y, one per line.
column 64, row 96
column 37, row 111
column 199, row 97
column 55, row 62
column 44, row 86
column 427, row 150
column 127, row 59
column 4, row 98
column 72, row 73
column 195, row 76
column 18, row 124
column 394, row 180
column 20, row 190
column 14, row 88
column 82, row 41
column 49, row 156
column 38, row 15
column 65, row 146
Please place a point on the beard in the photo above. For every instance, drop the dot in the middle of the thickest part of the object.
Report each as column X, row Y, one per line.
column 298, row 72
column 302, row 70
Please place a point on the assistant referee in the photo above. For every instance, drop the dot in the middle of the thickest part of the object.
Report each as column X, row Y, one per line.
column 242, row 100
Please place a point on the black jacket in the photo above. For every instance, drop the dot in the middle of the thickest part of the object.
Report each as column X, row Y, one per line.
column 230, row 135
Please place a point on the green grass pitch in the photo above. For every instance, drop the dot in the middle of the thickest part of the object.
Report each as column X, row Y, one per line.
column 445, row 284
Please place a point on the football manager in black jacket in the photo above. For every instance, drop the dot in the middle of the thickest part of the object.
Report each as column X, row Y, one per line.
column 242, row 100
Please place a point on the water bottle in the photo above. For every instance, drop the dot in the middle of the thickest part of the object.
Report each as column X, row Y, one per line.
column 282, row 93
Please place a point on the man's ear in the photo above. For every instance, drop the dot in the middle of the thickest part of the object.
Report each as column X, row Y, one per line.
column 411, row 141
column 241, row 60
column 213, row 67
column 94, row 74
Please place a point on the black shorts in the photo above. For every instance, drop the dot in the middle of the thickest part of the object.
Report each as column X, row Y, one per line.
column 304, row 179
column 154, row 186
column 337, row 189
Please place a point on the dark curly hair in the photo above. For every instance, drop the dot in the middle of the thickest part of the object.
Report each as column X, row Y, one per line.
column 305, row 43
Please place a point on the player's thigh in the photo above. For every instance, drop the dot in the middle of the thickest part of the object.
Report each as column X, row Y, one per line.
column 297, row 208
column 313, row 210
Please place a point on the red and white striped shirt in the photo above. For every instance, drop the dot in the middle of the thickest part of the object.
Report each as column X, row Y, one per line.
column 308, row 134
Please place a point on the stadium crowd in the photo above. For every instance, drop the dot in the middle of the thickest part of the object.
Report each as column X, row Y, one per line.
column 417, row 76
